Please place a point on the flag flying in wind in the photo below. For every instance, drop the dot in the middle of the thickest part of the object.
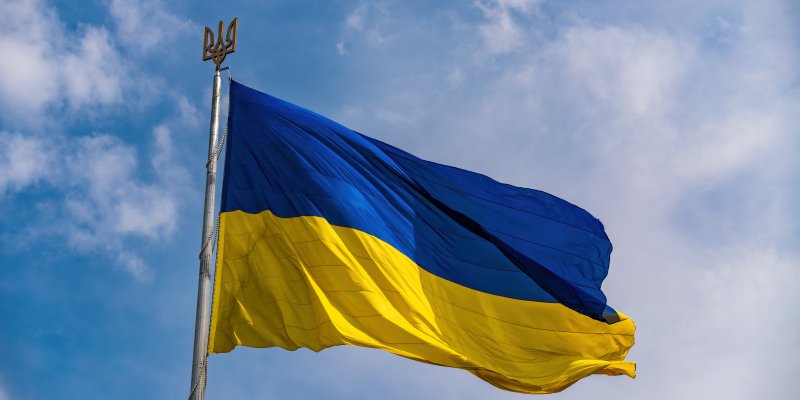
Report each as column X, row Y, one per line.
column 328, row 237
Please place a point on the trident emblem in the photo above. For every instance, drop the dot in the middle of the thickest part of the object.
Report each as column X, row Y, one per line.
column 218, row 50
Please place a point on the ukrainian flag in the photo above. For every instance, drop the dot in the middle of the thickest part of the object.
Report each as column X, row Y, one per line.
column 328, row 237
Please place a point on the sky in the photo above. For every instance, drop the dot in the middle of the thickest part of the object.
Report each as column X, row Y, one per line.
column 675, row 123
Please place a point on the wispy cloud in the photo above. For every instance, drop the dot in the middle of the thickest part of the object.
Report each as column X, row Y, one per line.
column 26, row 32
column 50, row 71
column 673, row 123
column 501, row 32
column 111, row 198
column 95, row 73
column 147, row 25
column 105, row 197
column 24, row 161
column 364, row 24
column 81, row 70
column 357, row 18
column 680, row 140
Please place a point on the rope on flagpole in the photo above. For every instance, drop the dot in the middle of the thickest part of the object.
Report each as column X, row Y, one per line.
column 210, row 239
column 213, row 235
column 203, row 376
column 214, row 157
column 218, row 151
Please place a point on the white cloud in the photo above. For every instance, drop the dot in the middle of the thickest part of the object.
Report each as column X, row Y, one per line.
column 60, row 74
column 740, row 299
column 365, row 23
column 501, row 33
column 107, row 200
column 27, row 30
column 147, row 25
column 632, row 70
column 24, row 161
column 685, row 147
column 685, row 150
column 95, row 73
column 341, row 47
column 663, row 130
column 151, row 210
column 49, row 69
column 357, row 18
column 134, row 265
column 521, row 5
column 188, row 115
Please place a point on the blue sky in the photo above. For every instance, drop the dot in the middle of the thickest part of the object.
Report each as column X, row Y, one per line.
column 675, row 123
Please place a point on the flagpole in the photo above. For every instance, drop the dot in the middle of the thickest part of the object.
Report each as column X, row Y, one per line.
column 216, row 51
column 204, row 284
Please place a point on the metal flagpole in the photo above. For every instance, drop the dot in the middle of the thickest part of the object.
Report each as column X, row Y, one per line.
column 216, row 51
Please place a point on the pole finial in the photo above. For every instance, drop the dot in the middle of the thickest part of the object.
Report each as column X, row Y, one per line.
column 217, row 50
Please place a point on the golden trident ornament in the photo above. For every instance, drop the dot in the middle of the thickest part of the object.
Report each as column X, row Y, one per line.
column 218, row 50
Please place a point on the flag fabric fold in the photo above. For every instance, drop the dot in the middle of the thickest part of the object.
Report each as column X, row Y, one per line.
column 328, row 237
